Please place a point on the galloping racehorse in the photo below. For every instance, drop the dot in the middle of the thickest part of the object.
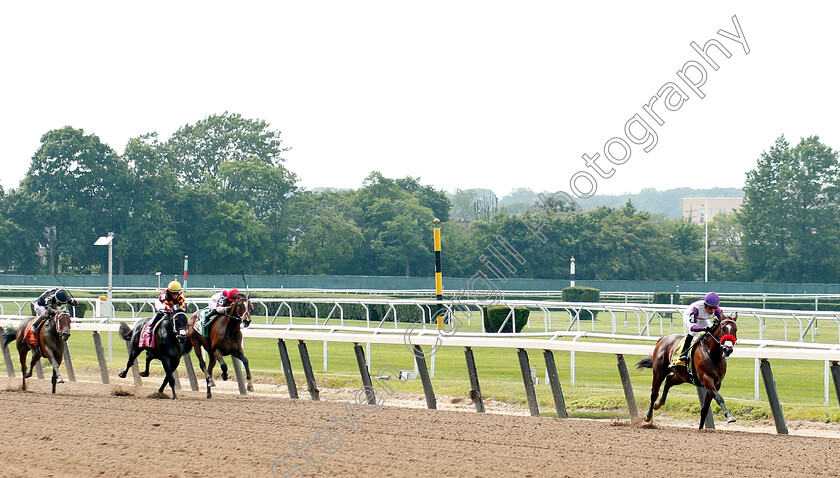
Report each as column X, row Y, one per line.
column 708, row 360
column 168, row 346
column 52, row 335
column 224, row 337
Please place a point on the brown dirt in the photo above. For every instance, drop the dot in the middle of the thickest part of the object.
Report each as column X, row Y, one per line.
column 86, row 430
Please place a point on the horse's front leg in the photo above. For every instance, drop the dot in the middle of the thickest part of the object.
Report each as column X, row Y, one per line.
column 239, row 354
column 168, row 378
column 56, row 373
column 719, row 400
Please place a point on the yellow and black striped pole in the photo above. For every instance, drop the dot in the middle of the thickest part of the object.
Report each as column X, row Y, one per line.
column 438, row 276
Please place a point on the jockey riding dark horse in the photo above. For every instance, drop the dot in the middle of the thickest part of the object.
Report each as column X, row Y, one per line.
column 223, row 335
column 168, row 345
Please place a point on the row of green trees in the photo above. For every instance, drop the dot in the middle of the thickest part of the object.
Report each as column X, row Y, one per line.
column 218, row 191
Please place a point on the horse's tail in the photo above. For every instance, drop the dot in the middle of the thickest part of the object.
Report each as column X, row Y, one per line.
column 646, row 362
column 8, row 335
column 125, row 331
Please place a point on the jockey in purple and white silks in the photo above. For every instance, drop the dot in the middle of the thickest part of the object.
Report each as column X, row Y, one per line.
column 698, row 317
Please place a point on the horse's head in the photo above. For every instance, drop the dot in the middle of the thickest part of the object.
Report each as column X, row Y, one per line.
column 62, row 324
column 241, row 309
column 179, row 321
column 727, row 333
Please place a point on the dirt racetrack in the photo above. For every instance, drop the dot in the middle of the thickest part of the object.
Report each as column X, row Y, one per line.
column 85, row 430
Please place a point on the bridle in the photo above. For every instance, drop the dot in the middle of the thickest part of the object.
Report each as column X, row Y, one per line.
column 245, row 316
column 727, row 337
column 55, row 318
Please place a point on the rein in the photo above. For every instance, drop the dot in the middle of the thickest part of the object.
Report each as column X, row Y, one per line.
column 236, row 317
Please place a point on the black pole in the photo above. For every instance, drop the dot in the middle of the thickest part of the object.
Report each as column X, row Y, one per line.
column 556, row 390
column 307, row 370
column 420, row 360
column 287, row 368
column 525, row 366
column 628, row 388
column 363, row 371
column 773, row 397
column 475, row 388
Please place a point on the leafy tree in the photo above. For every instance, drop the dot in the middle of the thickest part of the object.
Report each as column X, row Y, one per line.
column 328, row 246
column 790, row 214
column 199, row 150
column 84, row 184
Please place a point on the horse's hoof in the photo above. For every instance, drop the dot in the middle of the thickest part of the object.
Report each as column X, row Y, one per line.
column 143, row 374
column 29, row 375
column 224, row 376
column 212, row 383
column 657, row 406
column 250, row 388
column 731, row 419
column 121, row 374
column 208, row 394
column 60, row 380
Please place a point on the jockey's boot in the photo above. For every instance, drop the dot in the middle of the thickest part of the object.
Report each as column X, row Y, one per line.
column 37, row 322
column 686, row 348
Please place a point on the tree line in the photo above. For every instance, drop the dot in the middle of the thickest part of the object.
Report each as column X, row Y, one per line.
column 218, row 191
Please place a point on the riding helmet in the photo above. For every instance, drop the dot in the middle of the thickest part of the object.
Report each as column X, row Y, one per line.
column 712, row 299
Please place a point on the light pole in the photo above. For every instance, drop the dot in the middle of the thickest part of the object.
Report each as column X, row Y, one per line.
column 108, row 241
column 706, row 223
column 572, row 270
column 158, row 275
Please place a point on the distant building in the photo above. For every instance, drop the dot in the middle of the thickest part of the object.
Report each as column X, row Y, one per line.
column 694, row 209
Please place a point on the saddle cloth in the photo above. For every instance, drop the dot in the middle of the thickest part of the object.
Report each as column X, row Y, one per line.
column 200, row 325
column 147, row 337
column 29, row 336
column 675, row 355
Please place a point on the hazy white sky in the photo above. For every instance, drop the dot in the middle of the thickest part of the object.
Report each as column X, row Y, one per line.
column 461, row 93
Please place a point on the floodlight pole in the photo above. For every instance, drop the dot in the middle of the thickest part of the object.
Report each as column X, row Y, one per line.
column 110, row 267
column 706, row 223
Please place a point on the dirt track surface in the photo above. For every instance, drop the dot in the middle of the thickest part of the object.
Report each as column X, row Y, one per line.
column 85, row 430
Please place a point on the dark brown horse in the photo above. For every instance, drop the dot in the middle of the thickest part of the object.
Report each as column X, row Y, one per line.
column 223, row 338
column 708, row 359
column 52, row 335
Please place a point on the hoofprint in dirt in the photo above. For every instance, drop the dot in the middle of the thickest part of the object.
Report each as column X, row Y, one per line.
column 87, row 431
column 464, row 404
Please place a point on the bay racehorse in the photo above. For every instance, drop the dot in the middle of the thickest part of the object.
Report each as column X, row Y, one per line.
column 168, row 347
column 708, row 360
column 224, row 337
column 52, row 337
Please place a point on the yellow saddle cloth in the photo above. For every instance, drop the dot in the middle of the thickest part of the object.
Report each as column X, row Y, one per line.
column 675, row 356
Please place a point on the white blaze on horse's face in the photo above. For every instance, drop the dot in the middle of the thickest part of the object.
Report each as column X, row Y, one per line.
column 246, row 316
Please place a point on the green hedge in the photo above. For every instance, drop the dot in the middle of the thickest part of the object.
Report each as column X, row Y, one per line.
column 494, row 317
column 666, row 297
column 405, row 313
column 583, row 294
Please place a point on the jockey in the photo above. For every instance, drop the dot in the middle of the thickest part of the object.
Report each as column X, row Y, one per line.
column 49, row 301
column 219, row 302
column 167, row 300
column 698, row 317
